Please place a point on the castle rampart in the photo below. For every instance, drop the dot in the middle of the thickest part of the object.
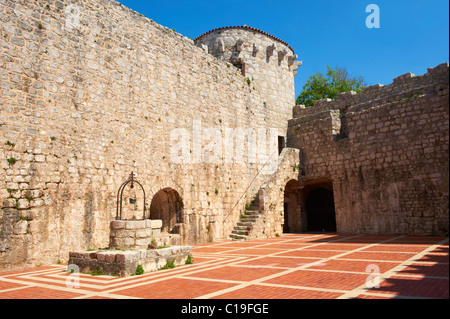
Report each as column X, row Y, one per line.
column 91, row 91
column 385, row 153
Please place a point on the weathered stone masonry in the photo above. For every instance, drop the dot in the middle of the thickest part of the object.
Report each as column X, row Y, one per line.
column 85, row 103
column 386, row 153
column 91, row 91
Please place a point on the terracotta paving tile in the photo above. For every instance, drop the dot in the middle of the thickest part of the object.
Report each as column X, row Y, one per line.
column 236, row 273
column 198, row 260
column 311, row 253
column 25, row 270
column 60, row 282
column 379, row 256
column 397, row 248
column 354, row 265
column 8, row 285
column 327, row 238
column 279, row 262
column 433, row 257
column 270, row 240
column 266, row 292
column 367, row 296
column 175, row 288
column 336, row 247
column 38, row 293
column 212, row 249
column 441, row 249
column 436, row 270
column 286, row 245
column 320, row 279
column 366, row 239
column 418, row 240
column 256, row 259
column 255, row 251
column 414, row 287
column 239, row 244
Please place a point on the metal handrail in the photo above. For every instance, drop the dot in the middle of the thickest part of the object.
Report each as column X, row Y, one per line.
column 257, row 174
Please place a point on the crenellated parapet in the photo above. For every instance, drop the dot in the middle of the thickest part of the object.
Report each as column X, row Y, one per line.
column 402, row 87
column 268, row 62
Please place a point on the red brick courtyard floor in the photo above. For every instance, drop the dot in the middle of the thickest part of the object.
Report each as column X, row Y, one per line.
column 293, row 266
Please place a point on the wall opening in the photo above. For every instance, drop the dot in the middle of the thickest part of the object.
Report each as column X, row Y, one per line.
column 237, row 62
column 167, row 205
column 340, row 129
column 319, row 206
column 292, row 207
column 281, row 144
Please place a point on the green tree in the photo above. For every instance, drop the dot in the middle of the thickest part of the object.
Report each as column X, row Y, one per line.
column 319, row 86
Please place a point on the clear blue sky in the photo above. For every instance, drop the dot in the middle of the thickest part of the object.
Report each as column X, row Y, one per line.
column 413, row 34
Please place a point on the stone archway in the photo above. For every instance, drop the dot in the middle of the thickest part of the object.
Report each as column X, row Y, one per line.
column 292, row 207
column 167, row 205
column 320, row 210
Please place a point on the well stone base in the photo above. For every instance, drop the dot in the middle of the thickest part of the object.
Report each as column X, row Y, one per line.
column 125, row 263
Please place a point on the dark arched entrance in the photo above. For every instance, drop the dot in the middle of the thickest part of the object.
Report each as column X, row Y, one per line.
column 167, row 205
column 320, row 210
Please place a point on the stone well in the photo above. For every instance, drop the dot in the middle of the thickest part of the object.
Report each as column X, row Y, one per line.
column 132, row 243
column 124, row 263
column 133, row 234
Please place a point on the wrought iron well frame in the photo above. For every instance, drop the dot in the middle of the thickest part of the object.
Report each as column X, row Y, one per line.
column 120, row 196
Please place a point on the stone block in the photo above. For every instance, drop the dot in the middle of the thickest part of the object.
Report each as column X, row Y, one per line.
column 127, row 256
column 123, row 233
column 156, row 223
column 139, row 224
column 23, row 203
column 101, row 256
column 9, row 202
column 20, row 227
column 143, row 242
column 156, row 232
column 144, row 233
column 117, row 224
column 39, row 158
column 85, row 255
column 122, row 243
column 148, row 223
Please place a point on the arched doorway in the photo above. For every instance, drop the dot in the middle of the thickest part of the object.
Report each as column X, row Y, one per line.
column 167, row 205
column 292, row 207
column 320, row 212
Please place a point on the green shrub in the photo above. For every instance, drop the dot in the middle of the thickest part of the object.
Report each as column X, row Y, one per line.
column 11, row 161
column 189, row 260
column 169, row 264
column 139, row 270
column 97, row 272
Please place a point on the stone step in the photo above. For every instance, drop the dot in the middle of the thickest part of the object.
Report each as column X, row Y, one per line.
column 238, row 227
column 240, row 232
column 245, row 223
column 238, row 237
column 248, row 220
column 250, row 212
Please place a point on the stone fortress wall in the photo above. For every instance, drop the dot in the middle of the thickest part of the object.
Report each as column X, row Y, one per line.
column 90, row 91
column 384, row 152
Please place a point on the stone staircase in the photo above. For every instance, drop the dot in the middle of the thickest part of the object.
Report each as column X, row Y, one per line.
column 246, row 221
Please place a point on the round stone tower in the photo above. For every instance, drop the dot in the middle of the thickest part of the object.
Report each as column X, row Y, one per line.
column 268, row 63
